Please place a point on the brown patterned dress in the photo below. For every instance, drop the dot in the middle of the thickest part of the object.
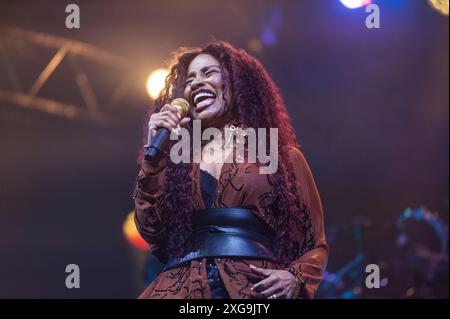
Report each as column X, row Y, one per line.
column 239, row 185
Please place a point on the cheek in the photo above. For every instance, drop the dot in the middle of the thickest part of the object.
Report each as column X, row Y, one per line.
column 187, row 93
column 217, row 82
column 225, row 101
column 225, row 97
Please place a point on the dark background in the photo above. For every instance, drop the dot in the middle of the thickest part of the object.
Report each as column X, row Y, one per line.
column 370, row 107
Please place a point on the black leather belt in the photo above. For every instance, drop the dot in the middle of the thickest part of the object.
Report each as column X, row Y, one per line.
column 227, row 232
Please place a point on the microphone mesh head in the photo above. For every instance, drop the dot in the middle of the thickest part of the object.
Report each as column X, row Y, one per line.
column 182, row 105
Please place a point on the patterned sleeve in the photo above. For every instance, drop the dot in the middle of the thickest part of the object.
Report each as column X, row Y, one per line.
column 312, row 251
column 148, row 196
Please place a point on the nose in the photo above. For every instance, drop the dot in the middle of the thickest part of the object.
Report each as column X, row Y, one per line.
column 196, row 84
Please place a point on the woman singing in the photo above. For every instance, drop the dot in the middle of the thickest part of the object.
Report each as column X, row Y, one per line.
column 223, row 229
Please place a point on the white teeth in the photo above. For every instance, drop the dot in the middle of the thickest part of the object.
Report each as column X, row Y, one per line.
column 201, row 94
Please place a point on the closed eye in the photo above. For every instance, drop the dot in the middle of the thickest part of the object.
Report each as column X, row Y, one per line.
column 211, row 72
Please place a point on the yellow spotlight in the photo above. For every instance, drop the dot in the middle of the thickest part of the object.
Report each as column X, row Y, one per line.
column 131, row 233
column 156, row 82
column 440, row 5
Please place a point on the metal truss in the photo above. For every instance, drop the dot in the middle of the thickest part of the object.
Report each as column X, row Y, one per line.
column 29, row 98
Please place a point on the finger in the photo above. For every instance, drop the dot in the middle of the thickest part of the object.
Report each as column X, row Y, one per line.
column 169, row 120
column 166, row 125
column 167, row 107
column 173, row 116
column 275, row 289
column 289, row 293
column 154, row 117
column 172, row 109
column 265, row 272
column 264, row 284
column 184, row 121
column 275, row 296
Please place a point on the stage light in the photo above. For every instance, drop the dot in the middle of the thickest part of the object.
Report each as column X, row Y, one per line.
column 255, row 45
column 353, row 4
column 440, row 5
column 268, row 37
column 156, row 82
column 131, row 233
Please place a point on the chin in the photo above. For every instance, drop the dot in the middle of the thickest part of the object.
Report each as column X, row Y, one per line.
column 205, row 118
column 206, row 115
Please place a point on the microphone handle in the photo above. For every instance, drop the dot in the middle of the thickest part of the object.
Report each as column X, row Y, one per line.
column 157, row 144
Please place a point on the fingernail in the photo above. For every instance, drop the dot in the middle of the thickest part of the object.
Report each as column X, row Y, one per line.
column 251, row 266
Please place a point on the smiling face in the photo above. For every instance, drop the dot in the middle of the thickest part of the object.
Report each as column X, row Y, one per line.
column 204, row 90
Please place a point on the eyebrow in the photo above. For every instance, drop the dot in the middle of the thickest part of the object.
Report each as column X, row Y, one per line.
column 203, row 70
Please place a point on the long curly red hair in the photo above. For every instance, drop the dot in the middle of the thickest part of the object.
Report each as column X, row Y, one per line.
column 256, row 103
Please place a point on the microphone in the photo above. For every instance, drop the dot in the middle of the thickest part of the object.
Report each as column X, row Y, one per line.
column 159, row 141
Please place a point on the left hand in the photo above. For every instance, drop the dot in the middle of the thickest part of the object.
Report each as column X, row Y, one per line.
column 278, row 284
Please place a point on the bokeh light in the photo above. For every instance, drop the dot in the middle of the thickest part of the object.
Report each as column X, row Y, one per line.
column 353, row 4
column 255, row 45
column 131, row 233
column 156, row 82
column 440, row 5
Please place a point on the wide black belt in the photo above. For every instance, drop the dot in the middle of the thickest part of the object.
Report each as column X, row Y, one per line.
column 227, row 232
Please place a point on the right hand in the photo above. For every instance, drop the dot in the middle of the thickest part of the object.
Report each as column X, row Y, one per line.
column 168, row 117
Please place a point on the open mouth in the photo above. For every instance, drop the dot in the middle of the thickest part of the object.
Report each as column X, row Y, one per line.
column 202, row 99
